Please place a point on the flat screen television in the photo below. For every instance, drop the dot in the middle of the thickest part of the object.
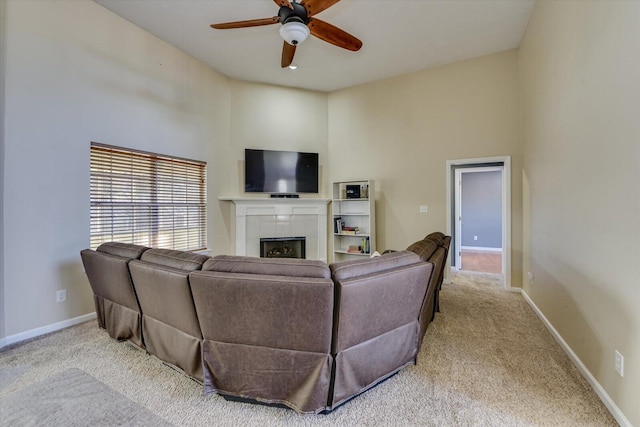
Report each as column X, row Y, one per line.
column 280, row 172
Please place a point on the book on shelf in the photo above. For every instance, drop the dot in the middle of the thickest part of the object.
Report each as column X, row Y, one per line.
column 365, row 245
column 338, row 224
column 350, row 230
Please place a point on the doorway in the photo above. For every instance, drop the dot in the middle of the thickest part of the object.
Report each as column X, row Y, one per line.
column 478, row 219
column 485, row 234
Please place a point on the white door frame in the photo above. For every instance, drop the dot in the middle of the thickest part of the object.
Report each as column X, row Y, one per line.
column 458, row 207
column 506, row 210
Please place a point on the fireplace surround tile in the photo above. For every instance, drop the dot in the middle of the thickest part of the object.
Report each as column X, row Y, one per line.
column 261, row 218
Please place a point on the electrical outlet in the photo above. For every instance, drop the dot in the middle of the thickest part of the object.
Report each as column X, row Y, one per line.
column 619, row 366
column 61, row 296
column 530, row 274
column 424, row 209
column 475, row 237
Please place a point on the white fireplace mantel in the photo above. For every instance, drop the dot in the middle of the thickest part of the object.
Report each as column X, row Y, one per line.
column 280, row 217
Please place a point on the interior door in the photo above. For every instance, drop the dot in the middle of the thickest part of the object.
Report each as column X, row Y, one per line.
column 458, row 218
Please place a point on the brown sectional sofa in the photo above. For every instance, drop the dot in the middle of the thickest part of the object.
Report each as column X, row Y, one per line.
column 298, row 333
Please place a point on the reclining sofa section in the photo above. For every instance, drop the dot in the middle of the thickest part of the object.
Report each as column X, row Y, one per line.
column 116, row 303
column 266, row 325
column 170, row 327
column 376, row 328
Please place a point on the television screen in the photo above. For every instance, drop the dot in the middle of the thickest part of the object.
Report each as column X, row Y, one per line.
column 280, row 172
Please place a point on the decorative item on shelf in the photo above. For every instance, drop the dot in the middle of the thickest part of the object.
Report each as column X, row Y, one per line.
column 353, row 191
column 354, row 249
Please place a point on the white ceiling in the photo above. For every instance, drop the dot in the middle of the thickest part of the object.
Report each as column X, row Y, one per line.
column 399, row 36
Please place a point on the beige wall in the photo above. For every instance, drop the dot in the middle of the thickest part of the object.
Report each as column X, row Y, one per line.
column 69, row 83
column 580, row 68
column 272, row 118
column 77, row 73
column 401, row 131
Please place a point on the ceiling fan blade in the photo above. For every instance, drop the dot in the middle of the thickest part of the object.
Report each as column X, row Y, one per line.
column 334, row 35
column 288, row 50
column 283, row 3
column 316, row 6
column 243, row 24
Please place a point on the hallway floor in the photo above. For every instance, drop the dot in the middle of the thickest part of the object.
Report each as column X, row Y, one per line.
column 482, row 261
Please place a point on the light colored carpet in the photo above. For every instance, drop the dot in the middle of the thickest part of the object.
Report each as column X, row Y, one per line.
column 74, row 398
column 486, row 360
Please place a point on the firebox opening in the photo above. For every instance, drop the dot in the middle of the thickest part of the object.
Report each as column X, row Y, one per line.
column 283, row 247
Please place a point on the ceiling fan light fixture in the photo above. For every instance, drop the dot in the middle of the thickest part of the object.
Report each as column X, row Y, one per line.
column 293, row 66
column 294, row 32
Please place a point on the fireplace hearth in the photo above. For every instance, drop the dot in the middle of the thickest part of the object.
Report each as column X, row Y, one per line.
column 283, row 247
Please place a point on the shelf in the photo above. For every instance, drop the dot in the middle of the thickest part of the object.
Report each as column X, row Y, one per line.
column 336, row 214
column 351, row 235
column 361, row 199
column 342, row 251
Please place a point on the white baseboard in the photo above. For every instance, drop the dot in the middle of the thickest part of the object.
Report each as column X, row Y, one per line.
column 12, row 339
column 600, row 391
column 480, row 249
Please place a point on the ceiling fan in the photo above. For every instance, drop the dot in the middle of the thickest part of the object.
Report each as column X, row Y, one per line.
column 297, row 23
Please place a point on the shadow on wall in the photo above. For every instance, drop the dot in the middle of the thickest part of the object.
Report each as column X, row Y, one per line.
column 73, row 278
column 573, row 322
column 389, row 228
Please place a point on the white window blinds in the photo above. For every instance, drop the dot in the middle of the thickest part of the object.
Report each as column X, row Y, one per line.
column 147, row 199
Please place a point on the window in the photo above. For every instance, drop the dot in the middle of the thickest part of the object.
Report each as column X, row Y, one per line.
column 147, row 199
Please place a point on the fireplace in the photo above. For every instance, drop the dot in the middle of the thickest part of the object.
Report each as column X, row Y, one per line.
column 283, row 247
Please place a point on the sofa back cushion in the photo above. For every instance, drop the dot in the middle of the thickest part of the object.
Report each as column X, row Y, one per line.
column 436, row 238
column 284, row 312
column 435, row 234
column 268, row 266
column 165, row 295
column 375, row 296
column 109, row 277
column 123, row 250
column 181, row 260
column 361, row 267
column 423, row 248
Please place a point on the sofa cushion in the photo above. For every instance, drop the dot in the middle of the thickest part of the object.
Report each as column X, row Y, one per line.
column 361, row 267
column 124, row 250
column 437, row 234
column 182, row 260
column 268, row 266
column 423, row 248
column 436, row 238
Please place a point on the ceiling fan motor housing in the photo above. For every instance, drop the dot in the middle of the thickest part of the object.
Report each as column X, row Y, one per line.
column 298, row 14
